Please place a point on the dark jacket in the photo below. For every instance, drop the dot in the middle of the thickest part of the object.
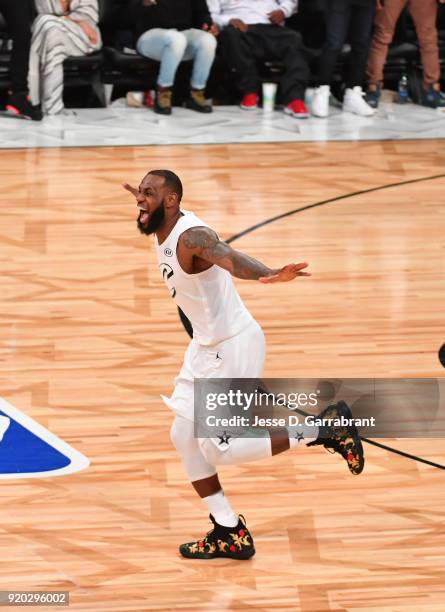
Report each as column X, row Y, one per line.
column 177, row 14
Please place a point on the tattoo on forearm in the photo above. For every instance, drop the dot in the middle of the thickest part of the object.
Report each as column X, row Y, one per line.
column 215, row 251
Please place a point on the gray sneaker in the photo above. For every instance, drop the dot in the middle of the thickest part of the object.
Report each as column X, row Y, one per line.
column 372, row 97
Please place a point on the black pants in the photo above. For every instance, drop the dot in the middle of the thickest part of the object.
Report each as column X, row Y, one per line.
column 19, row 15
column 243, row 50
column 343, row 16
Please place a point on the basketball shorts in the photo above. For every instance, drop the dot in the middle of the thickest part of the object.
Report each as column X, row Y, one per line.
column 241, row 356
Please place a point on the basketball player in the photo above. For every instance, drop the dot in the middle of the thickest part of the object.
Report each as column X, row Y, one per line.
column 227, row 343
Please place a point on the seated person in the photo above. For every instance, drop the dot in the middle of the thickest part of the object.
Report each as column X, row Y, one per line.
column 424, row 14
column 19, row 17
column 171, row 31
column 252, row 31
column 342, row 16
column 62, row 28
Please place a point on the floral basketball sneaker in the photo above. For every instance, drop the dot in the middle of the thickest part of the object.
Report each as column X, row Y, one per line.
column 343, row 439
column 231, row 542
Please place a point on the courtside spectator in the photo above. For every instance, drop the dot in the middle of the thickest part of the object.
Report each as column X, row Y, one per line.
column 254, row 31
column 424, row 14
column 19, row 17
column 343, row 16
column 62, row 28
column 171, row 31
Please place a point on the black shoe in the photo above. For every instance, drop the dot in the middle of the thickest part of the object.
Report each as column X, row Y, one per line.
column 198, row 102
column 19, row 105
column 433, row 98
column 342, row 439
column 231, row 542
column 163, row 101
column 372, row 97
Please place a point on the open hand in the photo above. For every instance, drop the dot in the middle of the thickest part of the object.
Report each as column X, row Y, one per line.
column 132, row 190
column 286, row 274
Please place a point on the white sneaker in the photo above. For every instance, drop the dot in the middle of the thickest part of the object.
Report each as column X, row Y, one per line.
column 320, row 101
column 354, row 102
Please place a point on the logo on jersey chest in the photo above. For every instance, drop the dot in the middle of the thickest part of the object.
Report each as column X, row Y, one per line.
column 168, row 252
column 167, row 275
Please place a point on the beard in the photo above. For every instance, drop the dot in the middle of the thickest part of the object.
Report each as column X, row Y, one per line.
column 155, row 220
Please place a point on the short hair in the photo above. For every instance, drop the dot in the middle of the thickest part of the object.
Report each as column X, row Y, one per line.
column 172, row 180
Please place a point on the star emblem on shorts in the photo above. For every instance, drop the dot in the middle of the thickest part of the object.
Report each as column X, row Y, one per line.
column 224, row 439
column 299, row 436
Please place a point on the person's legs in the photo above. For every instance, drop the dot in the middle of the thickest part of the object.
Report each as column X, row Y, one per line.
column 287, row 45
column 201, row 47
column 200, row 472
column 424, row 14
column 50, row 46
column 337, row 17
column 168, row 48
column 384, row 26
column 337, row 23
column 52, row 90
column 361, row 27
column 19, row 17
column 241, row 357
column 230, row 536
column 240, row 54
column 165, row 46
column 245, row 450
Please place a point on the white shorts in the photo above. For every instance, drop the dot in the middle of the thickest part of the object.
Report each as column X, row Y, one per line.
column 239, row 357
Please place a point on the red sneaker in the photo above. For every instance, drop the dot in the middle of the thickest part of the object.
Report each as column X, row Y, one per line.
column 149, row 98
column 249, row 101
column 298, row 109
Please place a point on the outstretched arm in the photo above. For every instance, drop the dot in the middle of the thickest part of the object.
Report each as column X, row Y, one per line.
column 205, row 244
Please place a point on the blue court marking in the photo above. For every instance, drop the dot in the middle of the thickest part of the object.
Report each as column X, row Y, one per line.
column 27, row 449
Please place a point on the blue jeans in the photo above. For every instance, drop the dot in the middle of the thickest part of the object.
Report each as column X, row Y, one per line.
column 171, row 47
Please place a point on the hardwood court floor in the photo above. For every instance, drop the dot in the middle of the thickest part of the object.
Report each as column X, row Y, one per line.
column 90, row 338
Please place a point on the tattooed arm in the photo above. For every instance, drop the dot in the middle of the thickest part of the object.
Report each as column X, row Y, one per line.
column 202, row 242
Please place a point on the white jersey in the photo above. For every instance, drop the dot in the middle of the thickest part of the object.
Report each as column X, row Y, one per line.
column 209, row 299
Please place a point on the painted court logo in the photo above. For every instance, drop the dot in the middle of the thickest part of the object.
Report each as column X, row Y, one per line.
column 28, row 450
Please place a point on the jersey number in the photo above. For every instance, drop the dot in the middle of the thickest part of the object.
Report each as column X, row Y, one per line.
column 167, row 274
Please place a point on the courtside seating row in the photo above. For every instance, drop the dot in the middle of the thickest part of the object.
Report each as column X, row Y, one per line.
column 126, row 71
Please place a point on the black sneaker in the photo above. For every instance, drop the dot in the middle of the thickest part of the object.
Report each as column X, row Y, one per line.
column 19, row 105
column 198, row 102
column 433, row 98
column 372, row 97
column 163, row 101
column 342, row 439
column 231, row 542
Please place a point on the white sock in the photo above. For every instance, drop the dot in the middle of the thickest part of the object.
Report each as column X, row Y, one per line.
column 219, row 506
column 301, row 434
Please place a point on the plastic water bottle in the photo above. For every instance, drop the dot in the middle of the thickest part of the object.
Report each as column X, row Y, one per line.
column 402, row 90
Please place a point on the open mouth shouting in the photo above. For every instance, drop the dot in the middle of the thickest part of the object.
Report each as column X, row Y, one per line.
column 149, row 221
column 143, row 216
